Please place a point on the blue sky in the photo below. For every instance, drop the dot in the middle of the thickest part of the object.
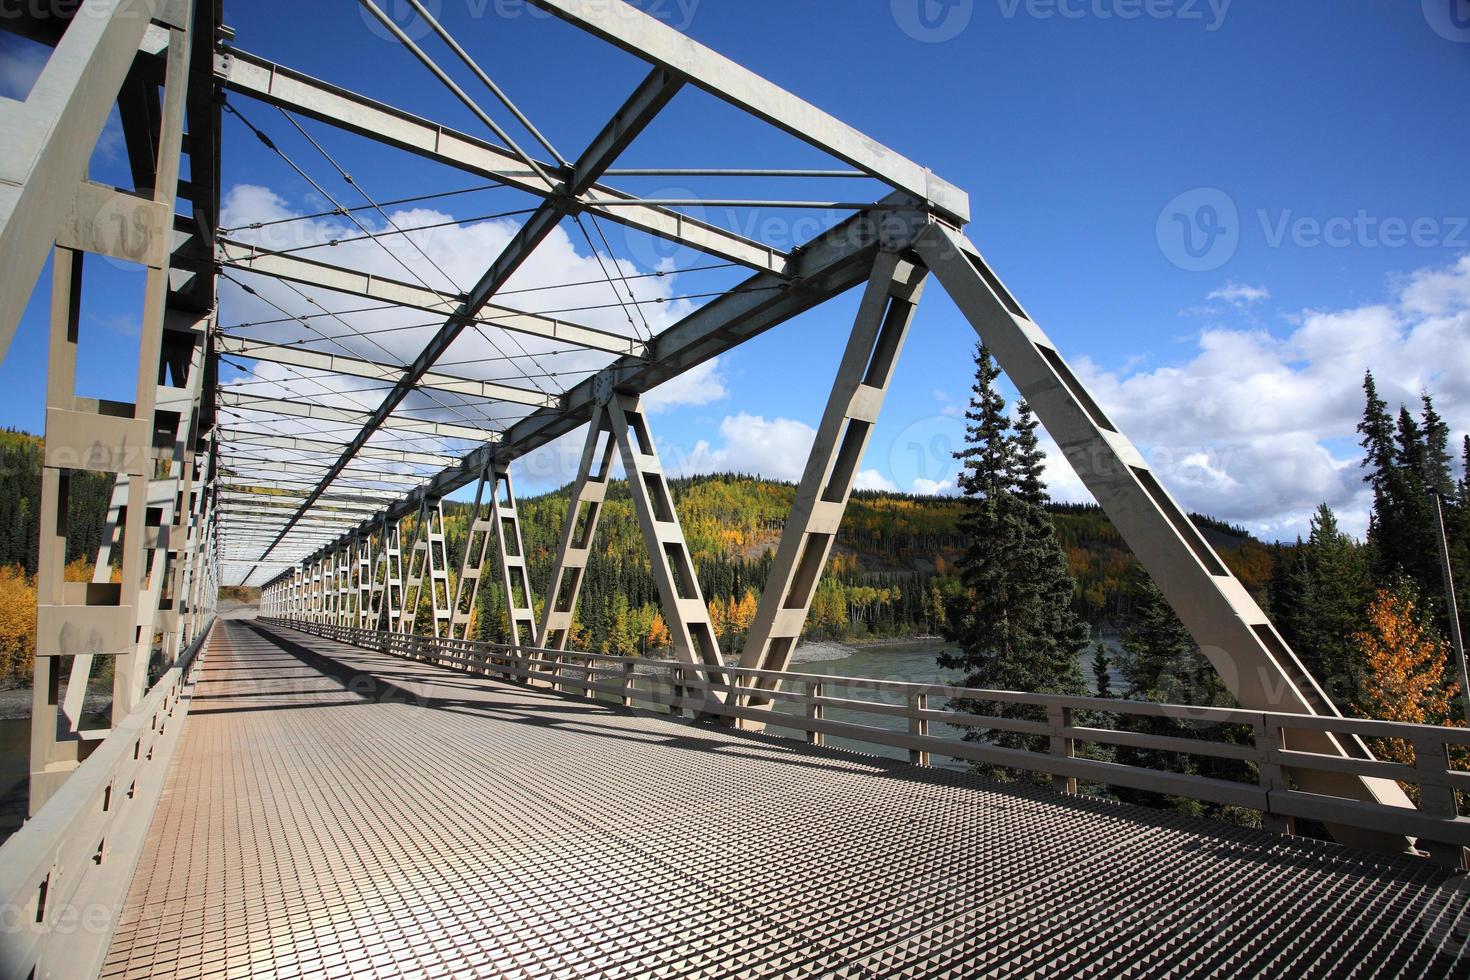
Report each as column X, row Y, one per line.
column 1312, row 152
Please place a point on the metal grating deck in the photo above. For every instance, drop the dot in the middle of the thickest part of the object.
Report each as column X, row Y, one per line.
column 335, row 813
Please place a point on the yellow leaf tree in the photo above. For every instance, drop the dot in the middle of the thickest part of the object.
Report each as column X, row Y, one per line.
column 658, row 635
column 1404, row 676
column 17, row 625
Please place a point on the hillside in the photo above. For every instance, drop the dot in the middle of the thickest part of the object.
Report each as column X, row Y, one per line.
column 890, row 571
column 891, row 567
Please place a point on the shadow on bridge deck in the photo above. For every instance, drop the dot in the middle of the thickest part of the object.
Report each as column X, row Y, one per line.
column 333, row 812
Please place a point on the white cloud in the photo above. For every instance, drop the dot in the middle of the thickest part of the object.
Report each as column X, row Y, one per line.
column 776, row 449
column 1259, row 429
column 1239, row 294
column 934, row 488
column 700, row 385
column 452, row 257
column 874, row 480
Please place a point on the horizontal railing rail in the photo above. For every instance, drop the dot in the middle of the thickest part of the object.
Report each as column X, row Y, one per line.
column 65, row 873
column 748, row 696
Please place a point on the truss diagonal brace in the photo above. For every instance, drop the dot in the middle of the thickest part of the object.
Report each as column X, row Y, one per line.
column 680, row 597
column 636, row 113
column 589, row 492
column 863, row 375
column 1254, row 662
column 649, row 38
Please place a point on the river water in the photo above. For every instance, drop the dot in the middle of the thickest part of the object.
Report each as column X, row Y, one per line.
column 913, row 663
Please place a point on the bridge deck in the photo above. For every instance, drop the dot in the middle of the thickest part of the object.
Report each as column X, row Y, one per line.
column 332, row 812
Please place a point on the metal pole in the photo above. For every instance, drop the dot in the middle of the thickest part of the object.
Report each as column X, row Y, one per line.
column 1451, row 607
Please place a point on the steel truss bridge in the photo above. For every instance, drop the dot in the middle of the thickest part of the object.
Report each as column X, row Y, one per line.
column 346, row 787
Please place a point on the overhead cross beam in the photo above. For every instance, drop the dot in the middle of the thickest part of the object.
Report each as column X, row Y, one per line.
column 370, row 421
column 637, row 112
column 281, row 86
column 376, row 371
column 308, row 272
column 238, row 436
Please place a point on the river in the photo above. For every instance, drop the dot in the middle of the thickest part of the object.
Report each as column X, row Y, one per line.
column 912, row 662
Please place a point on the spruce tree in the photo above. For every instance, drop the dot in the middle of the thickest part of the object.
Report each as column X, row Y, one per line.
column 1412, row 548
column 1030, row 460
column 1102, row 680
column 1462, row 492
column 1336, row 588
column 1013, row 618
column 1377, row 442
column 1437, row 451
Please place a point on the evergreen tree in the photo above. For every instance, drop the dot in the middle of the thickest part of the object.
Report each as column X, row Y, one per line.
column 1013, row 618
column 1102, row 681
column 1030, row 460
column 1327, row 586
column 1378, row 450
column 1437, row 451
column 1462, row 492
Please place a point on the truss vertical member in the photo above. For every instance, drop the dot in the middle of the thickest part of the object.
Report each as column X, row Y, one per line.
column 680, row 597
column 863, row 376
column 1254, row 662
column 520, row 604
column 50, row 135
column 503, row 521
column 589, row 492
column 78, row 621
column 427, row 569
column 388, row 579
column 478, row 526
column 366, row 552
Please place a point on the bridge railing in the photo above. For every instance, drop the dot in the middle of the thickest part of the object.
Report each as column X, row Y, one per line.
column 748, row 698
column 65, row 873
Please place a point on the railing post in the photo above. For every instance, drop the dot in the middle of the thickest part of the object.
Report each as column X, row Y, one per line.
column 1268, row 741
column 918, row 702
column 1062, row 746
column 1436, row 797
column 677, row 687
column 628, row 684
column 814, row 711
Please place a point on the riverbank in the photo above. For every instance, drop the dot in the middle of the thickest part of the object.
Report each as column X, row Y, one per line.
column 15, row 704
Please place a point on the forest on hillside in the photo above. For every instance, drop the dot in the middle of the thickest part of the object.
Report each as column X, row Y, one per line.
column 891, row 570
column 890, row 575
